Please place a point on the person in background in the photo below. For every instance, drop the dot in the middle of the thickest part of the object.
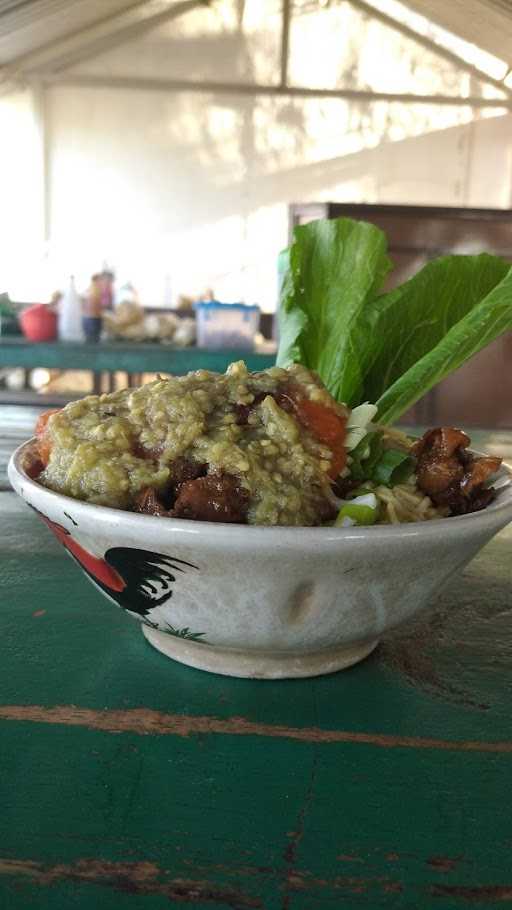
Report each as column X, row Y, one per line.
column 105, row 284
column 92, row 320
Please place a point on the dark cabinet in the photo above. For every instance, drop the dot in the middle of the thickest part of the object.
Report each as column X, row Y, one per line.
column 480, row 393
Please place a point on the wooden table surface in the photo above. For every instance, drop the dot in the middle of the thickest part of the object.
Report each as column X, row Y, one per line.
column 129, row 781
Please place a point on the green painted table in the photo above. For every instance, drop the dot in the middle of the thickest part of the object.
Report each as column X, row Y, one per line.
column 130, row 358
column 129, row 781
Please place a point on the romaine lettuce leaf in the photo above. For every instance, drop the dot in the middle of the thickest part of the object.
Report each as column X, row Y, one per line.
column 334, row 269
column 385, row 348
column 429, row 326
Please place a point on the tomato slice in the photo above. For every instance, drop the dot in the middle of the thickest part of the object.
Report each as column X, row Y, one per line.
column 44, row 449
column 44, row 446
column 328, row 427
column 43, row 419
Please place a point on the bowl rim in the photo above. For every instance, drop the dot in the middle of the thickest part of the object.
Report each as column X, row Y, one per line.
column 497, row 515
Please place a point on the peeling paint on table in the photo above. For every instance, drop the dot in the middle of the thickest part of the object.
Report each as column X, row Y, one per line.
column 130, row 781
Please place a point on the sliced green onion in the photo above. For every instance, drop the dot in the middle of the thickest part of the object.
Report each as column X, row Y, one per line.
column 362, row 415
column 345, row 522
column 357, row 425
column 360, row 511
column 365, row 455
column 375, row 455
column 360, row 491
column 370, row 461
column 362, row 449
column 393, row 467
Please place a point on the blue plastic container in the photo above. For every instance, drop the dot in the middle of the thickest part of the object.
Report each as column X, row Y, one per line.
column 227, row 325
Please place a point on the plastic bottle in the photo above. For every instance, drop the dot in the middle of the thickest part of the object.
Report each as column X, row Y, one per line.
column 70, row 314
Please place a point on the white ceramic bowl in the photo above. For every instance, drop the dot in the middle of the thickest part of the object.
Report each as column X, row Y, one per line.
column 257, row 601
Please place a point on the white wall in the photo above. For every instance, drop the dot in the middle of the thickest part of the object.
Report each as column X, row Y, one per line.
column 183, row 191
column 197, row 189
column 21, row 191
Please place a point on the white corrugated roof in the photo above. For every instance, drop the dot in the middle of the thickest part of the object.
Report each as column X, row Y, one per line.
column 29, row 24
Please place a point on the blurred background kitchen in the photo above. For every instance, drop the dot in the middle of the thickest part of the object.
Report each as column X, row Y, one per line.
column 156, row 154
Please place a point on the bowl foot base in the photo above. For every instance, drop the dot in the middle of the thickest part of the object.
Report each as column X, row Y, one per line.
column 258, row 664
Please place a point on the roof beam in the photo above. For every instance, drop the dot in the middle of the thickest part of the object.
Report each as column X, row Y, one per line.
column 430, row 45
column 285, row 41
column 42, row 126
column 112, row 31
column 39, row 55
column 228, row 88
column 14, row 7
column 129, row 32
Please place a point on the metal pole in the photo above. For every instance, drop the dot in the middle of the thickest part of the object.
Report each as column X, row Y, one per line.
column 39, row 94
column 285, row 42
column 228, row 88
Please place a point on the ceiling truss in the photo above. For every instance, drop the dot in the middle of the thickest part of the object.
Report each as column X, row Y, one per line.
column 112, row 31
column 51, row 63
column 290, row 91
column 429, row 44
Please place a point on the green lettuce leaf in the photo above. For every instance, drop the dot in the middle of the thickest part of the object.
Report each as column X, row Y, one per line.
column 332, row 271
column 384, row 348
column 429, row 326
column 292, row 319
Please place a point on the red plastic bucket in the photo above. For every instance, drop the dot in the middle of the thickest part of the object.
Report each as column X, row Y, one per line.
column 39, row 323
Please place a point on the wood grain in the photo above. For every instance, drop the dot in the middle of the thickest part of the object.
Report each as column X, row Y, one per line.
column 143, row 878
column 146, row 722
column 129, row 781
